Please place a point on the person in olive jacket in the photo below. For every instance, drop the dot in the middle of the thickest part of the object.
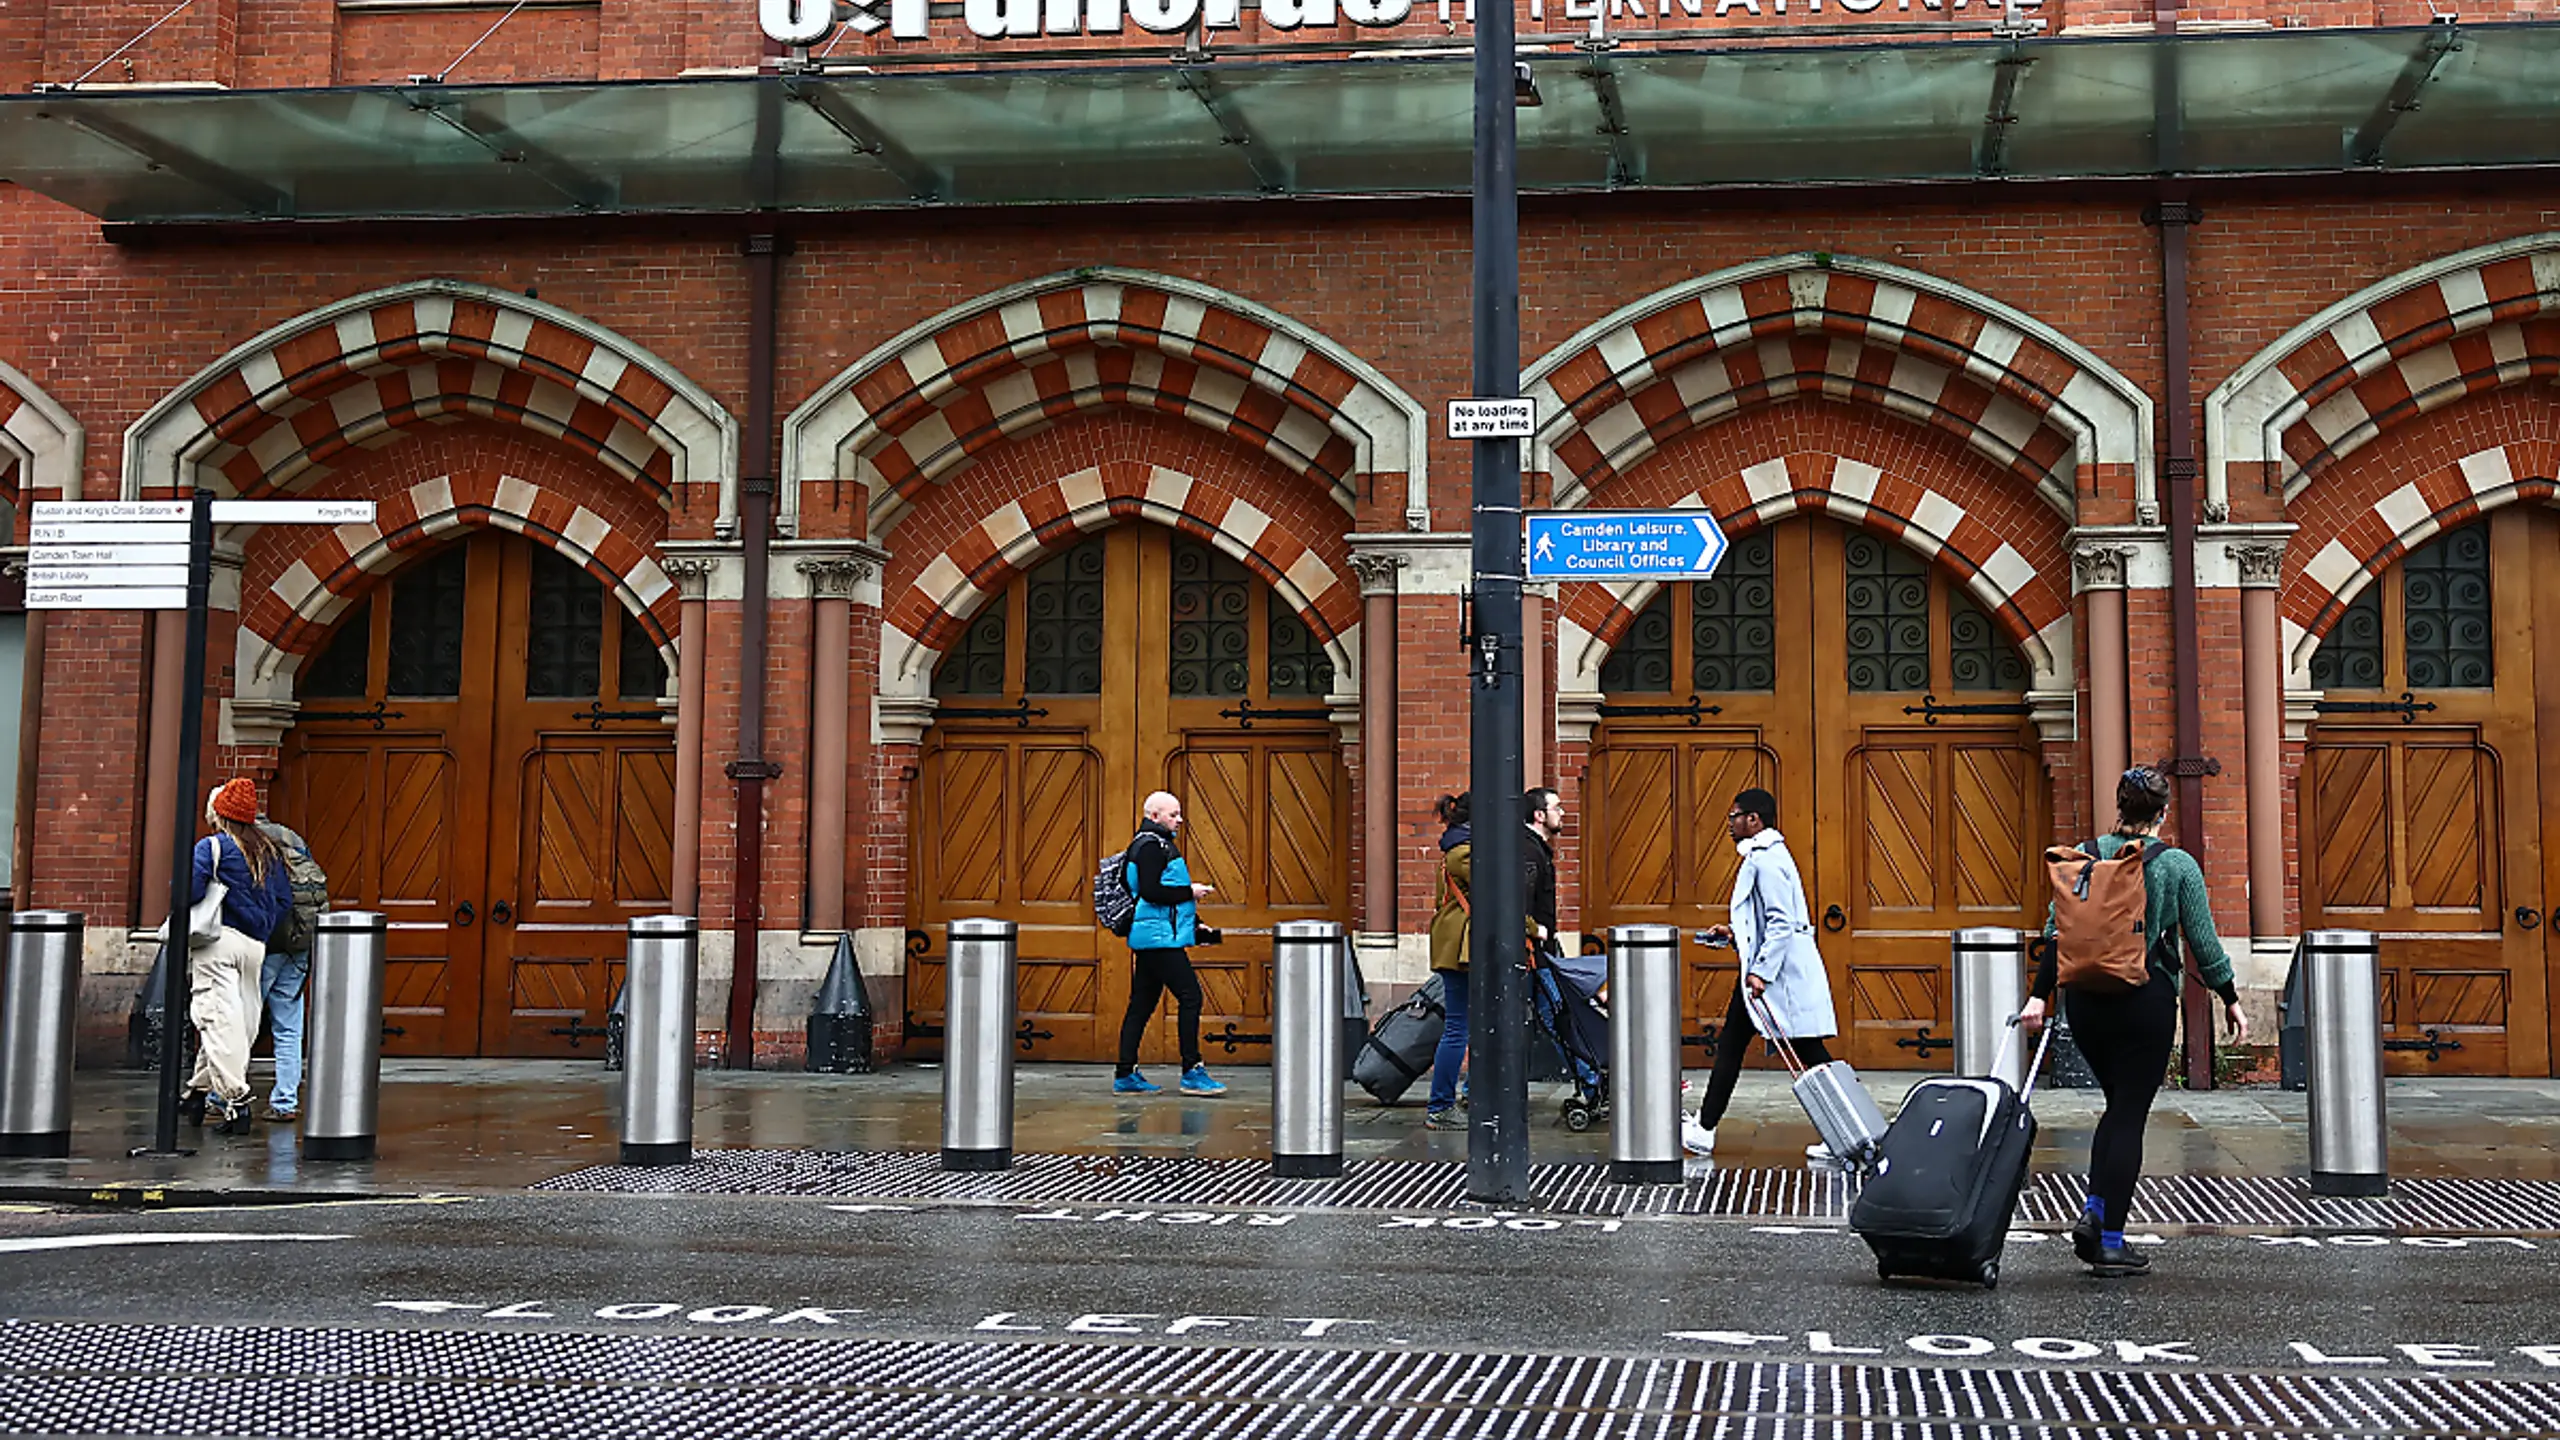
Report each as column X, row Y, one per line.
column 1449, row 960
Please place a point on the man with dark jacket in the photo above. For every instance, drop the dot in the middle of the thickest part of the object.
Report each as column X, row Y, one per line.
column 1167, row 923
column 1545, row 809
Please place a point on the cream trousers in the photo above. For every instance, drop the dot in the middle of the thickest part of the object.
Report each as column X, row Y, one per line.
column 224, row 1003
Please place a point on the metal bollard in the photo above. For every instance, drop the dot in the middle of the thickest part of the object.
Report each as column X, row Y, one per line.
column 2350, row 1148
column 342, row 1039
column 657, row 1067
column 977, row 1046
column 1644, row 1055
column 1306, row 1049
column 39, row 999
column 1990, row 986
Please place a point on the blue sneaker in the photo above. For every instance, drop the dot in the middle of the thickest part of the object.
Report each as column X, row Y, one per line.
column 1196, row 1081
column 1134, row 1083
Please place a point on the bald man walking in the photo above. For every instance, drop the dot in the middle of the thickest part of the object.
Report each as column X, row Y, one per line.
column 1166, row 925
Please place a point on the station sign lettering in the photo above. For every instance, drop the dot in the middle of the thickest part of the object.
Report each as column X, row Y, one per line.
column 812, row 22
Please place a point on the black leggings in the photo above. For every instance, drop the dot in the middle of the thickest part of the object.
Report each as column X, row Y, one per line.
column 2126, row 1040
column 1157, row 971
column 1733, row 1043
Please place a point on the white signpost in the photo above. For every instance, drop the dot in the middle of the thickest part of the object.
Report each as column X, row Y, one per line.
column 158, row 555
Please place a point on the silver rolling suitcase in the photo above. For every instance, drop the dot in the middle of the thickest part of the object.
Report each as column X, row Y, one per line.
column 1842, row 1111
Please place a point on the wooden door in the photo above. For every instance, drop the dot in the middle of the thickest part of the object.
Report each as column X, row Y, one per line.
column 1908, row 815
column 1134, row 661
column 2420, row 808
column 480, row 756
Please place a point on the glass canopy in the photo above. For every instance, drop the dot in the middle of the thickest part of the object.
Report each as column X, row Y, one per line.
column 2295, row 101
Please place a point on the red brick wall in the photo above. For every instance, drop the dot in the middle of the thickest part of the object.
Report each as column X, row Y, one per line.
column 375, row 46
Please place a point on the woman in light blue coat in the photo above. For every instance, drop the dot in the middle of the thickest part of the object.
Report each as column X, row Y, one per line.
column 1772, row 931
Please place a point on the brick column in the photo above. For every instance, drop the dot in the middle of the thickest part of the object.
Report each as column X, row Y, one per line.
column 692, row 576
column 831, row 585
column 2099, row 571
column 2261, row 565
column 1377, row 571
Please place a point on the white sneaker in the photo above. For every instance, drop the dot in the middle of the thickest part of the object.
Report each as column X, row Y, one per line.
column 1695, row 1138
column 1818, row 1153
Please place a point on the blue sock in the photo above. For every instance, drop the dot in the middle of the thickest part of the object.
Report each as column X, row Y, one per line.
column 2094, row 1206
column 2111, row 1239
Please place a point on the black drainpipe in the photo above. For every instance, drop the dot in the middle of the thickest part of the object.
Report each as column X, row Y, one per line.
column 2173, row 214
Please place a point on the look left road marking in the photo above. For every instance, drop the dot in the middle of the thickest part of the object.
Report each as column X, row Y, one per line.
column 197, row 1237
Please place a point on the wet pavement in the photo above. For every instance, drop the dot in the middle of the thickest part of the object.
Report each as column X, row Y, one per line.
column 501, row 1124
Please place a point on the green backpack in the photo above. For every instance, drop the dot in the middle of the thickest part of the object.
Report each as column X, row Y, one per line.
column 310, row 896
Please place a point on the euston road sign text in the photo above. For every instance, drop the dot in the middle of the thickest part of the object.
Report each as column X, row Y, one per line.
column 1624, row 545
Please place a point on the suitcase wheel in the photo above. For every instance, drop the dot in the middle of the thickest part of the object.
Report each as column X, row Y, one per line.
column 1990, row 1274
column 1577, row 1116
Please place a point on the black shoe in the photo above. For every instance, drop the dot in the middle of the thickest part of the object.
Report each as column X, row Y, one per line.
column 2084, row 1238
column 2112, row 1261
column 191, row 1108
column 228, row 1120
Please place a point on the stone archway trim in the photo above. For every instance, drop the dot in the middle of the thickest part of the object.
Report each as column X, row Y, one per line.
column 2013, row 387
column 923, row 403
column 313, row 388
column 43, row 445
column 2416, row 341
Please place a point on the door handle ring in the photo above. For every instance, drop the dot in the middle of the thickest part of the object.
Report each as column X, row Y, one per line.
column 502, row 914
column 1834, row 919
column 463, row 915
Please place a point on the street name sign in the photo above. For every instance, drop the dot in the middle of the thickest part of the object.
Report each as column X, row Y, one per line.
column 132, row 554
column 1623, row 545
column 1493, row 419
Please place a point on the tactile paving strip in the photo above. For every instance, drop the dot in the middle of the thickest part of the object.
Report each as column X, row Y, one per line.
column 460, row 1385
column 2424, row 1205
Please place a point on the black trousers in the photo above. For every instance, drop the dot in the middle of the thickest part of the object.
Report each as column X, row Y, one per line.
column 1157, row 971
column 1733, row 1045
column 2126, row 1039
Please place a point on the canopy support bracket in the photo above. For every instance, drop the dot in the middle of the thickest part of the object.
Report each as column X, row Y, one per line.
column 260, row 198
column 2364, row 148
column 1626, row 166
column 583, row 190
column 922, row 181
column 2000, row 117
column 1270, row 172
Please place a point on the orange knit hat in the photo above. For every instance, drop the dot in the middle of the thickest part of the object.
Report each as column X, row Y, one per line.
column 237, row 800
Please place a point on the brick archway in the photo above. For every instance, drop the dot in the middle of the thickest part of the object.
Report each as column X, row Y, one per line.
column 2396, row 350
column 41, row 446
column 309, row 394
column 925, row 404
column 2010, row 388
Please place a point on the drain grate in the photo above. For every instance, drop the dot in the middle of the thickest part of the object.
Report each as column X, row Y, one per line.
column 2431, row 1205
column 457, row 1385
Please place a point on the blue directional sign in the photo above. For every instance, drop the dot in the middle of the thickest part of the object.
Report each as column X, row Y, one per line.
column 1624, row 545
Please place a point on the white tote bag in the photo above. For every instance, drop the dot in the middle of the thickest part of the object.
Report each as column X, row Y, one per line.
column 204, row 919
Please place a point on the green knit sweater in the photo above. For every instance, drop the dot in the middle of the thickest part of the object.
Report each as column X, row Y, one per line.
column 2175, row 899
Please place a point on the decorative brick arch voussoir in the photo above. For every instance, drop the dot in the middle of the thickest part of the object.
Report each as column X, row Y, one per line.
column 2031, row 606
column 333, row 569
column 310, row 391
column 41, row 446
column 929, row 400
column 2323, row 575
column 931, row 610
column 2013, row 388
column 2420, row 340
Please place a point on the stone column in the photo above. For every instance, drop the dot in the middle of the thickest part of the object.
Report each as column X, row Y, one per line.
column 831, row 587
column 692, row 576
column 2261, row 567
column 1377, row 571
column 2099, row 570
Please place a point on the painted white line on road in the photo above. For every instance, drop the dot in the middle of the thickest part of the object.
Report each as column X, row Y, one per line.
column 194, row 1237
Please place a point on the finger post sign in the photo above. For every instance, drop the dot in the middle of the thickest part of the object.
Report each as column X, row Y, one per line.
column 1623, row 545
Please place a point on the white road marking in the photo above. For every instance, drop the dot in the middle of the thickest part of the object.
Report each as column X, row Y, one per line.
column 193, row 1237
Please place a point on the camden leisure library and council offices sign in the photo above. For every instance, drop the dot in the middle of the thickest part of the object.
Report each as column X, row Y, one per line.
column 808, row 22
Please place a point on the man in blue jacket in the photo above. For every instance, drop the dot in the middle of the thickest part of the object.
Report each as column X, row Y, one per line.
column 1160, row 936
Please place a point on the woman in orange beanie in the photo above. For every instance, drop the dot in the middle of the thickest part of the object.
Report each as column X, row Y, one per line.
column 224, row 998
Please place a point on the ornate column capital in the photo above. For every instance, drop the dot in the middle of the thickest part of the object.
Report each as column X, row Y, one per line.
column 2100, row 565
column 834, row 577
column 1377, row 570
column 691, row 574
column 2260, row 562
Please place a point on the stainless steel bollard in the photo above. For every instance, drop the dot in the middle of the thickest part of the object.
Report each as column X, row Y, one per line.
column 1306, row 1049
column 1990, row 987
column 342, row 1036
column 657, row 1068
column 977, row 1046
column 2350, row 1148
column 1644, row 1055
column 39, row 1001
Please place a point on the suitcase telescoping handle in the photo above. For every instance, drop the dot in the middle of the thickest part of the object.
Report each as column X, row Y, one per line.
column 2044, row 1042
column 1767, row 1020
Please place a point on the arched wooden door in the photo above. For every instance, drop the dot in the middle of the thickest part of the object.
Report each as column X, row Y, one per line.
column 1137, row 660
column 2421, row 811
column 1864, row 688
column 480, row 755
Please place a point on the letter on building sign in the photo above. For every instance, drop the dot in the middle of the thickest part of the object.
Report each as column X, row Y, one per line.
column 1747, row 7
column 1164, row 17
column 1000, row 19
column 1290, row 14
column 1377, row 12
column 1097, row 17
column 1223, row 14
column 796, row 22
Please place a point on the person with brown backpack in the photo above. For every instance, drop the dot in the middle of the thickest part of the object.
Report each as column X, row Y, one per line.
column 2121, row 903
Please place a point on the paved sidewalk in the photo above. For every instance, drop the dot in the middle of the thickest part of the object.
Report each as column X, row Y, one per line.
column 506, row 1124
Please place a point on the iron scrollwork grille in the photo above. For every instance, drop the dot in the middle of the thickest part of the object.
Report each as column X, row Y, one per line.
column 1210, row 627
column 564, row 631
column 2444, row 610
column 1733, row 621
column 1641, row 662
column 1979, row 657
column 975, row 666
column 1062, row 627
column 1887, row 599
column 2351, row 657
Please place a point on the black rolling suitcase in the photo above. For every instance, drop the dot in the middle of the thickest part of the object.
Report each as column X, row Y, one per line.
column 1399, row 1052
column 1947, row 1178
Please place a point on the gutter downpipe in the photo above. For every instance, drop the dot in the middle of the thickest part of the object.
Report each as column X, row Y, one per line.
column 2173, row 214
column 755, row 519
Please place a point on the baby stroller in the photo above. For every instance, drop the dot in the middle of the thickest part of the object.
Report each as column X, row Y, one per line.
column 1568, row 995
